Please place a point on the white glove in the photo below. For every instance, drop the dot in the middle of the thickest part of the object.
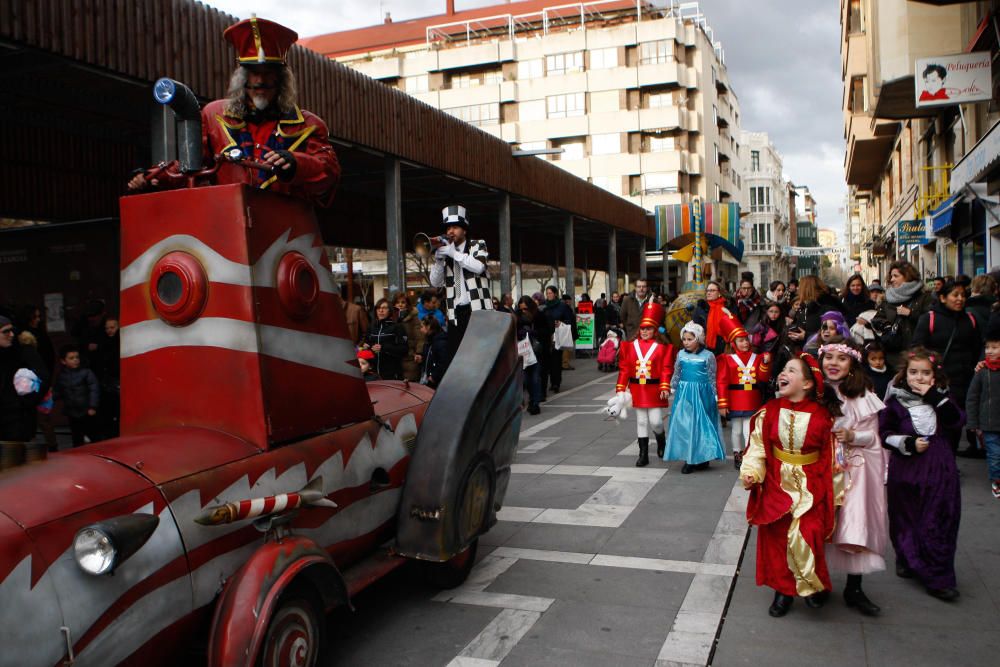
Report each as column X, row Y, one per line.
column 442, row 252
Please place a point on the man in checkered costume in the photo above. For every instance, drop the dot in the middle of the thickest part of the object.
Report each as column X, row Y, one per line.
column 460, row 266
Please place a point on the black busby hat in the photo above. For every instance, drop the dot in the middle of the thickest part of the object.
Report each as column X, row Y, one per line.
column 454, row 215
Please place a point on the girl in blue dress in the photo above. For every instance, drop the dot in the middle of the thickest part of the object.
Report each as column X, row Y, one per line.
column 694, row 434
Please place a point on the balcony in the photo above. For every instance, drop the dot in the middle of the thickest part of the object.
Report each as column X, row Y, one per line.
column 614, row 121
column 658, row 74
column 661, row 118
column 934, row 189
column 462, row 97
column 382, row 68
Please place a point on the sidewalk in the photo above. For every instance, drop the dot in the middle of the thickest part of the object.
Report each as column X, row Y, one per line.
column 914, row 629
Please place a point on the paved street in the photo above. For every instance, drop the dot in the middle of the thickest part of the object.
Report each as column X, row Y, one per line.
column 596, row 562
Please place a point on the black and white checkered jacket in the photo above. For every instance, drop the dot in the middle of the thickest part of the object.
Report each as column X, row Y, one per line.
column 478, row 285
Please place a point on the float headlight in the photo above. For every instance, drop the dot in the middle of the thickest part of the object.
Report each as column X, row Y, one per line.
column 94, row 550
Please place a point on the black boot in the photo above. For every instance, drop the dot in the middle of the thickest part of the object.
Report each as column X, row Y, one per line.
column 855, row 597
column 817, row 600
column 643, row 459
column 661, row 443
column 781, row 605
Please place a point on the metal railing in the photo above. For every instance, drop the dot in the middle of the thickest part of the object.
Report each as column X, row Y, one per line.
column 933, row 189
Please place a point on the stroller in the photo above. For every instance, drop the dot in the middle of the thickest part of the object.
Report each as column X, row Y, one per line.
column 607, row 354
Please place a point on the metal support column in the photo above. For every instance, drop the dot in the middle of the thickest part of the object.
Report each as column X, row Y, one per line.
column 505, row 255
column 612, row 261
column 395, row 267
column 666, row 269
column 568, row 238
column 642, row 257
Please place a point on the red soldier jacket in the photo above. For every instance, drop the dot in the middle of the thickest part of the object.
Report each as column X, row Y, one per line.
column 740, row 380
column 300, row 132
column 645, row 367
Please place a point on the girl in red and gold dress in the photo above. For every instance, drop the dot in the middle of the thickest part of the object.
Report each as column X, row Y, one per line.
column 645, row 365
column 788, row 467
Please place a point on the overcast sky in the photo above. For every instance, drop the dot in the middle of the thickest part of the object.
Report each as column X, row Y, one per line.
column 783, row 58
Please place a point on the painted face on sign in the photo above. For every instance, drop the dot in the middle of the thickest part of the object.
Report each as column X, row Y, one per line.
column 933, row 82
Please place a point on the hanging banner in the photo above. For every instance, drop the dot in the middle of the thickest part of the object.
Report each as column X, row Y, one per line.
column 912, row 232
column 958, row 79
column 792, row 251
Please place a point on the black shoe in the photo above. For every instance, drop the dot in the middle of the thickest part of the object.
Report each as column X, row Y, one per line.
column 855, row 597
column 534, row 409
column 903, row 571
column 661, row 444
column 543, row 398
column 946, row 594
column 554, row 390
column 687, row 469
column 971, row 452
column 817, row 600
column 702, row 466
column 643, row 459
column 781, row 605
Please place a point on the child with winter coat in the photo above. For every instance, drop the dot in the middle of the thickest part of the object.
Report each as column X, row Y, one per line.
column 983, row 404
column 80, row 393
column 878, row 371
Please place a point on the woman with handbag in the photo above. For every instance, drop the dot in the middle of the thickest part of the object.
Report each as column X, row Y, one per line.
column 533, row 326
column 897, row 316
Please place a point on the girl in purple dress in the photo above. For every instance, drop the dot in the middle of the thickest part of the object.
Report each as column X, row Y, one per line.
column 921, row 425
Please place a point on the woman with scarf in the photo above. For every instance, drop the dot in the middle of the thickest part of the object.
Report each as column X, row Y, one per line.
column 855, row 299
column 748, row 303
column 409, row 320
column 709, row 313
column 897, row 316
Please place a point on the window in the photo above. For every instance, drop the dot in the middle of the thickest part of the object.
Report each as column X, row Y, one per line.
column 760, row 237
column 718, row 192
column 565, row 106
column 661, row 144
column 533, row 110
column 477, row 114
column 760, row 199
column 660, row 100
column 715, row 114
column 718, row 162
column 604, row 58
column 473, row 79
column 855, row 19
column 859, row 97
column 416, row 84
column 754, row 160
column 606, row 144
column 530, row 69
column 659, row 183
column 562, row 63
column 605, row 101
column 660, row 51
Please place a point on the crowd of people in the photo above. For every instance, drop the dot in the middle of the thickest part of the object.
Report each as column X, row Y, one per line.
column 80, row 380
column 847, row 410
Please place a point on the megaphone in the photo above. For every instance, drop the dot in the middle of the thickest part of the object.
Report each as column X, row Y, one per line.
column 424, row 245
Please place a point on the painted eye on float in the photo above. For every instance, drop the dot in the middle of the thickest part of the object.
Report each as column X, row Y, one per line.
column 178, row 288
column 298, row 285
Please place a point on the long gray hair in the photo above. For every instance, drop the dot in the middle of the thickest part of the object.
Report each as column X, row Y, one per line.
column 236, row 97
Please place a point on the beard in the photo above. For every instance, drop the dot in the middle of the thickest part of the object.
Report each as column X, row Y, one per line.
column 260, row 102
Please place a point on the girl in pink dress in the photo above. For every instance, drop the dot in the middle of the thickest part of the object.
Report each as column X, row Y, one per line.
column 862, row 530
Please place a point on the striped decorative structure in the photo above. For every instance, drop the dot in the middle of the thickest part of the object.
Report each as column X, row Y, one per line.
column 675, row 223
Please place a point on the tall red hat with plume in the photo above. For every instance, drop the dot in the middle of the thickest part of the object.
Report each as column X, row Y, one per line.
column 730, row 328
column 652, row 315
column 260, row 42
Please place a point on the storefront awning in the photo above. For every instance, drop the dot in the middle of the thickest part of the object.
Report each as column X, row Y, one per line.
column 941, row 216
column 982, row 159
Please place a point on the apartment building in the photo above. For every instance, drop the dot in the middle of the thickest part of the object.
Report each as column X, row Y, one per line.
column 901, row 158
column 765, row 208
column 631, row 95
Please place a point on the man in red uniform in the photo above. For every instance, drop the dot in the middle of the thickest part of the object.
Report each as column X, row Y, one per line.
column 741, row 377
column 259, row 120
column 646, row 364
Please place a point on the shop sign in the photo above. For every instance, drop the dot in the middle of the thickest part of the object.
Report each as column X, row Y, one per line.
column 912, row 232
column 958, row 79
column 977, row 161
column 585, row 331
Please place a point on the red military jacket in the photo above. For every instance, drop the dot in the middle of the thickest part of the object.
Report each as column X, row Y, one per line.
column 740, row 380
column 645, row 367
column 300, row 132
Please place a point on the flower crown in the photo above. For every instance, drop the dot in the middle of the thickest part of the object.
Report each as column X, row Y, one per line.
column 843, row 349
